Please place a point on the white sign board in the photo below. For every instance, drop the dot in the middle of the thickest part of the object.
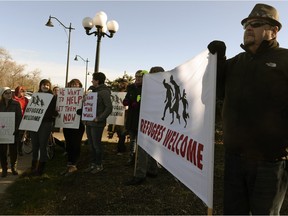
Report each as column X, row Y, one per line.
column 90, row 107
column 7, row 127
column 35, row 111
column 69, row 100
column 117, row 116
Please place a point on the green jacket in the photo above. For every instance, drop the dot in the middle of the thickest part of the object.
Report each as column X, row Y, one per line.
column 255, row 108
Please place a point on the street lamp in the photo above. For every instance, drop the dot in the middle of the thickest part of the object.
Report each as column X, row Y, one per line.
column 50, row 24
column 99, row 21
column 86, row 73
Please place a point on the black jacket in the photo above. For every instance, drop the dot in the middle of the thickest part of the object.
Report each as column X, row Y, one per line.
column 255, row 109
column 133, row 112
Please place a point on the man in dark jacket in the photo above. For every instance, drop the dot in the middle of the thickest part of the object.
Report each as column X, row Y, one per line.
column 132, row 100
column 254, row 86
column 146, row 165
column 94, row 129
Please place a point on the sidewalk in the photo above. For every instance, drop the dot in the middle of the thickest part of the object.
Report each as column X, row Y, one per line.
column 24, row 162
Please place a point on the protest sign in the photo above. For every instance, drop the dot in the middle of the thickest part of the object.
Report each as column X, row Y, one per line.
column 35, row 111
column 7, row 127
column 69, row 100
column 176, row 125
column 117, row 116
column 90, row 107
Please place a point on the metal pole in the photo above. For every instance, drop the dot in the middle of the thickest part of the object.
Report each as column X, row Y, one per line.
column 86, row 75
column 99, row 36
column 68, row 56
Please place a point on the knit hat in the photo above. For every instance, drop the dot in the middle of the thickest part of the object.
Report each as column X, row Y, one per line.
column 141, row 73
column 2, row 90
column 266, row 12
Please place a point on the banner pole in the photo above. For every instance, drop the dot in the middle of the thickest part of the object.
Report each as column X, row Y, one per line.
column 210, row 211
column 136, row 157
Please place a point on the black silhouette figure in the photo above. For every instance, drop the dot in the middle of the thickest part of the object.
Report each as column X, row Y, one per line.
column 36, row 100
column 185, row 115
column 168, row 99
column 176, row 99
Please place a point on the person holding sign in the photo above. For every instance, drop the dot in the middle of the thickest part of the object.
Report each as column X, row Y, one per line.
column 253, row 86
column 20, row 97
column 73, row 138
column 132, row 100
column 146, row 165
column 95, row 128
column 41, row 137
column 7, row 104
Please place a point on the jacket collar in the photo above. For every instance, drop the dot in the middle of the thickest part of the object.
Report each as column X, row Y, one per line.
column 264, row 46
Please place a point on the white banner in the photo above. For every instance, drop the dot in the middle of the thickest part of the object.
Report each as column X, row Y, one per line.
column 69, row 100
column 117, row 116
column 7, row 127
column 90, row 106
column 35, row 111
column 177, row 120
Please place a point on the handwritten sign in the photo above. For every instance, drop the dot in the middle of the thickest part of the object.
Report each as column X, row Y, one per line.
column 90, row 107
column 117, row 116
column 69, row 100
column 35, row 111
column 7, row 127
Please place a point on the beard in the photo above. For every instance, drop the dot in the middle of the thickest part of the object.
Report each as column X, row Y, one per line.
column 249, row 40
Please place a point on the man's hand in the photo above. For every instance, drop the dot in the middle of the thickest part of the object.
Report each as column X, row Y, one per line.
column 218, row 47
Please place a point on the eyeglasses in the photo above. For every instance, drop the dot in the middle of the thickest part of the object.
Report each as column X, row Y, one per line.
column 8, row 92
column 255, row 24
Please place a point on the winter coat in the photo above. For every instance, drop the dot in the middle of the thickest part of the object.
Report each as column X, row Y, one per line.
column 255, row 108
column 104, row 106
column 132, row 100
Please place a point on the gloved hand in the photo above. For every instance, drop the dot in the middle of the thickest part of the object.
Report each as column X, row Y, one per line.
column 135, row 105
column 218, row 47
column 16, row 132
column 126, row 102
column 79, row 111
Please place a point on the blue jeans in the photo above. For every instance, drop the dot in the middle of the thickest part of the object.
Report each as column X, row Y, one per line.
column 94, row 135
column 253, row 187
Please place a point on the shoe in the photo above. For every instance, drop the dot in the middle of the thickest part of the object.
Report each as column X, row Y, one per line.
column 119, row 153
column 131, row 161
column 97, row 169
column 90, row 168
column 71, row 169
column 64, row 172
column 135, row 181
column 4, row 173
column 151, row 175
column 14, row 171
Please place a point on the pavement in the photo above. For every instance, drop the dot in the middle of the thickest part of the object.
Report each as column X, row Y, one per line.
column 24, row 162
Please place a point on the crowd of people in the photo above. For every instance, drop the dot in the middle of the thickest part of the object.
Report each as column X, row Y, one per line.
column 253, row 86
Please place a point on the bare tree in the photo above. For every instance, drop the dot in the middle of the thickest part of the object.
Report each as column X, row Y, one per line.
column 13, row 74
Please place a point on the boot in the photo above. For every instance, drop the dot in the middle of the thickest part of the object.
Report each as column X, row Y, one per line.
column 14, row 170
column 4, row 173
column 131, row 160
column 34, row 166
column 41, row 168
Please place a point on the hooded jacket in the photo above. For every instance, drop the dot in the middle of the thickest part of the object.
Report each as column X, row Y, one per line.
column 255, row 108
column 22, row 100
column 104, row 105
